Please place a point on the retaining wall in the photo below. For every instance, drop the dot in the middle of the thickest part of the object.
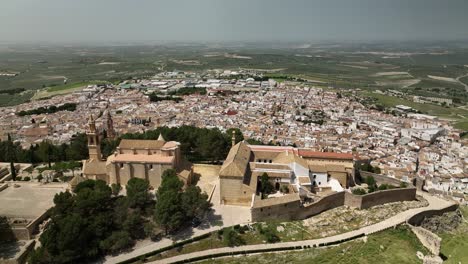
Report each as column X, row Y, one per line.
column 326, row 203
column 417, row 219
column 379, row 197
column 293, row 209
column 381, row 179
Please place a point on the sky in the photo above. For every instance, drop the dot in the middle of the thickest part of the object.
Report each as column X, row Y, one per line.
column 106, row 21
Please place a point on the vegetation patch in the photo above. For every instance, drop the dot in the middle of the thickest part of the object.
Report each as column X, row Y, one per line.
column 391, row 246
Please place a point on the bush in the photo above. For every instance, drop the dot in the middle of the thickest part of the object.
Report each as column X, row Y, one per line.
column 26, row 178
column 284, row 189
column 39, row 177
column 359, row 191
column 384, row 187
column 270, row 234
column 231, row 238
column 403, row 185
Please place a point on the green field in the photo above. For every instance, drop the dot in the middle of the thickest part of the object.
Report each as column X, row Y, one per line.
column 343, row 66
column 388, row 247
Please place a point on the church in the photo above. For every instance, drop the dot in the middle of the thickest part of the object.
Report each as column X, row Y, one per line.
column 133, row 158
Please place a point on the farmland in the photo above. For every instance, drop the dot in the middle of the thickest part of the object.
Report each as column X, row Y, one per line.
column 413, row 69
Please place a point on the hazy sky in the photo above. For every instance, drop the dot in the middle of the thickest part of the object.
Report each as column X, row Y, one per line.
column 67, row 21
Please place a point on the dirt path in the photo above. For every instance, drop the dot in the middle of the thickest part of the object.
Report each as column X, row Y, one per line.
column 462, row 83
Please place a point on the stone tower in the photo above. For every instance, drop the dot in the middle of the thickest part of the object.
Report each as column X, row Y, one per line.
column 94, row 144
column 110, row 126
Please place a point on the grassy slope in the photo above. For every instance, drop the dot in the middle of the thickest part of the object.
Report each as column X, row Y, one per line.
column 455, row 244
column 391, row 246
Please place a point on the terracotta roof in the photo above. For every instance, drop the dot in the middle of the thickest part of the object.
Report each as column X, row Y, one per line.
column 304, row 181
column 34, row 131
column 326, row 155
column 170, row 144
column 265, row 155
column 336, row 167
column 237, row 161
column 140, row 158
column 287, row 158
column 94, row 167
column 317, row 168
column 141, row 144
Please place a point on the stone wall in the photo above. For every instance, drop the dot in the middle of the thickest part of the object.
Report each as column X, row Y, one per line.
column 379, row 197
column 233, row 192
column 324, row 204
column 285, row 208
column 292, row 209
column 381, row 179
column 417, row 219
column 430, row 240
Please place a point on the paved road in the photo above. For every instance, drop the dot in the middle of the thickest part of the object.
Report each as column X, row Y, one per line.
column 434, row 204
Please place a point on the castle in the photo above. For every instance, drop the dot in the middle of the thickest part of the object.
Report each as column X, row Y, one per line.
column 145, row 159
column 302, row 171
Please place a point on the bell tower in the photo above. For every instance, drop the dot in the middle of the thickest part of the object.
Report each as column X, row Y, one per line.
column 94, row 144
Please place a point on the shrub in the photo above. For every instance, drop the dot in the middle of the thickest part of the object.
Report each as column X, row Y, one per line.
column 270, row 234
column 359, row 191
column 384, row 187
column 284, row 189
column 232, row 238
column 403, row 185
column 26, row 178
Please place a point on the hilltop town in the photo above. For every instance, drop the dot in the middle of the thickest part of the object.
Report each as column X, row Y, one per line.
column 398, row 142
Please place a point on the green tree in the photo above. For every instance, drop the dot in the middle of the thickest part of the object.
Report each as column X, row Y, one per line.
column 231, row 238
column 370, row 181
column 169, row 212
column 45, row 152
column 116, row 188
column 266, row 186
column 237, row 135
column 118, row 241
column 195, row 203
column 6, row 233
column 138, row 194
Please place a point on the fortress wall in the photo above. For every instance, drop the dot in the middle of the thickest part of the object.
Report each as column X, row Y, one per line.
column 380, row 197
column 381, row 179
column 283, row 210
column 418, row 218
column 326, row 203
